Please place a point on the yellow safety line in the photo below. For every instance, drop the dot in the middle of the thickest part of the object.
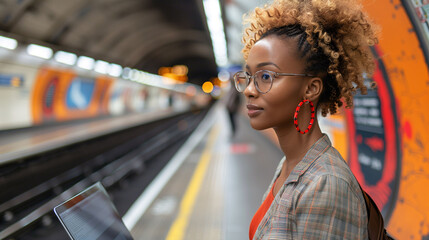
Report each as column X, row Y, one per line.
column 178, row 228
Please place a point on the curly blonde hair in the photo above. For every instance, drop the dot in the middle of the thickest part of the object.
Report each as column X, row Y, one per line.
column 334, row 36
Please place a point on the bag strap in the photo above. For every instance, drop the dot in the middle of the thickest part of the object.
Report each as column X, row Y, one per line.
column 375, row 219
column 376, row 230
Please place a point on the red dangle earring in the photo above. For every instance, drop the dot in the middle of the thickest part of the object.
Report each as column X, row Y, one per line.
column 295, row 117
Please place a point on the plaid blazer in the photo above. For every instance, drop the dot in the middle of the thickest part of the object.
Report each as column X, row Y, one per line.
column 320, row 199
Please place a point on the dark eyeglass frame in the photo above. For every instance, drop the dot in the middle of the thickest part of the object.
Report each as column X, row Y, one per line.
column 271, row 73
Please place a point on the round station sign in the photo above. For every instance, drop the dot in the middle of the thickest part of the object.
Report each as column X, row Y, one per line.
column 373, row 136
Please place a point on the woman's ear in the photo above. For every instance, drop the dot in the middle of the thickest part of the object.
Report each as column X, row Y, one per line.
column 314, row 89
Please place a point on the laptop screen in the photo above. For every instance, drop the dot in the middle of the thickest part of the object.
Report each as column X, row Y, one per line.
column 91, row 216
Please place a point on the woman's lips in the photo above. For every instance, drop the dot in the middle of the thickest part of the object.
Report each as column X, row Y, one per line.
column 253, row 110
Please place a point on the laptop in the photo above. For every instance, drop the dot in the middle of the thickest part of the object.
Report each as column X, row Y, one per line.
column 91, row 215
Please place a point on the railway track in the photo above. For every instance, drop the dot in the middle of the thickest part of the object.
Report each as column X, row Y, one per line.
column 123, row 161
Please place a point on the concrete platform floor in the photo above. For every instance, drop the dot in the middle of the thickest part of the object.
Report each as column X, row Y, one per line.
column 217, row 188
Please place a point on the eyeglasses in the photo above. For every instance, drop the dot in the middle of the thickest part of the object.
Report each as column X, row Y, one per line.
column 263, row 79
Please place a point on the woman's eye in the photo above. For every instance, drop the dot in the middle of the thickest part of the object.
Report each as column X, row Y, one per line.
column 265, row 76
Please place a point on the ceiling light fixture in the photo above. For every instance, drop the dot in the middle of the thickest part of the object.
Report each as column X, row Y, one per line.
column 217, row 33
column 8, row 43
column 65, row 57
column 134, row 75
column 85, row 62
column 126, row 73
column 39, row 51
column 115, row 70
column 101, row 66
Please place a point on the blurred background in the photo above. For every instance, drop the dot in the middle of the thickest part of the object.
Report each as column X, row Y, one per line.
column 121, row 91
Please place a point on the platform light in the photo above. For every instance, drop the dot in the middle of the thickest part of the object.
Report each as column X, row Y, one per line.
column 8, row 43
column 65, row 57
column 217, row 33
column 85, row 62
column 101, row 66
column 39, row 51
column 180, row 70
column 207, row 87
column 115, row 70
column 224, row 76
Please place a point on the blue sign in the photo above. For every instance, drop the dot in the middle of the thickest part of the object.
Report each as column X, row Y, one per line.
column 11, row 80
column 80, row 93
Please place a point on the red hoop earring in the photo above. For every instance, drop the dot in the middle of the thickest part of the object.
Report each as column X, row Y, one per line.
column 295, row 117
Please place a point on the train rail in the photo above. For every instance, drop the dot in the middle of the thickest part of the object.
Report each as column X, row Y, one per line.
column 34, row 185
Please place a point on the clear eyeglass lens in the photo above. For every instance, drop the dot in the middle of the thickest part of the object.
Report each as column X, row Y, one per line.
column 240, row 81
column 264, row 80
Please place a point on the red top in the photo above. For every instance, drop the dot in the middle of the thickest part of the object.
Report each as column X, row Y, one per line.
column 259, row 215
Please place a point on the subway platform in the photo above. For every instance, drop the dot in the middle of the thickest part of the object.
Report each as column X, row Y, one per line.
column 212, row 186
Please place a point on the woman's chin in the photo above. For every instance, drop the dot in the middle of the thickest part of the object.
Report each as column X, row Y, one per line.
column 258, row 126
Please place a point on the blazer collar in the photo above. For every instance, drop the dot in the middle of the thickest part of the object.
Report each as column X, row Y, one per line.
column 312, row 154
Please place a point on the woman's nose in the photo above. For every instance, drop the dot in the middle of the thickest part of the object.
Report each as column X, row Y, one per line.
column 250, row 89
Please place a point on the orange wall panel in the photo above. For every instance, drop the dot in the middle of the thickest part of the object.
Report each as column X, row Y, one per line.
column 407, row 72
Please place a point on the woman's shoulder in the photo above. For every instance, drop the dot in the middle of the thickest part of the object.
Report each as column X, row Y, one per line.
column 330, row 164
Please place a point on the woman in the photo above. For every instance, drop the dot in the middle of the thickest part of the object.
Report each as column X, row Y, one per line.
column 302, row 57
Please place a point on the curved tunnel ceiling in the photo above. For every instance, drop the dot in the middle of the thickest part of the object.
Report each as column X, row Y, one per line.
column 142, row 34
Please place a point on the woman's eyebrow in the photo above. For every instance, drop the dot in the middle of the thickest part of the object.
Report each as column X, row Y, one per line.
column 262, row 64
column 267, row 63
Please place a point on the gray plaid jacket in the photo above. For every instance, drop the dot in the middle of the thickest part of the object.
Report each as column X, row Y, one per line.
column 320, row 199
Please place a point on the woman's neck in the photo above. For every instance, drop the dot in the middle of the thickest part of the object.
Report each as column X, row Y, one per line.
column 295, row 145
